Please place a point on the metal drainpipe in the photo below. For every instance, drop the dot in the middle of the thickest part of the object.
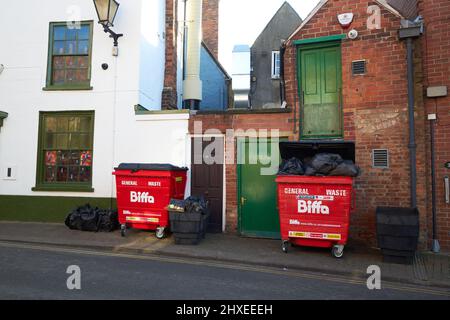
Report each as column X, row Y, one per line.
column 412, row 137
column 282, row 75
column 435, row 245
column 408, row 33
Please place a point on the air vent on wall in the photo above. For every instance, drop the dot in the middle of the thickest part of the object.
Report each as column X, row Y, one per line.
column 380, row 158
column 359, row 67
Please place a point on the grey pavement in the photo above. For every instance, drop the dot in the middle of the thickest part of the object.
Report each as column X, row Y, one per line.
column 428, row 269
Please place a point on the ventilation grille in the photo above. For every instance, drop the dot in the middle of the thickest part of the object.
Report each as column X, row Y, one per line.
column 359, row 67
column 380, row 158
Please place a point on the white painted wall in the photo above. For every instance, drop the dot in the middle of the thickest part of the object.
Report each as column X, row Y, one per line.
column 152, row 58
column 135, row 76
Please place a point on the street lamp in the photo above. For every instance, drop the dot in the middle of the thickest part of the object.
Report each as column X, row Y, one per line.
column 106, row 12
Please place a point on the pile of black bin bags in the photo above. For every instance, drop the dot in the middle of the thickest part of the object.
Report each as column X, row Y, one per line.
column 87, row 218
column 192, row 204
column 322, row 164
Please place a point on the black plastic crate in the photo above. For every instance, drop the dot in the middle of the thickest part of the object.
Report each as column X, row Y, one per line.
column 397, row 233
column 188, row 228
column 186, row 222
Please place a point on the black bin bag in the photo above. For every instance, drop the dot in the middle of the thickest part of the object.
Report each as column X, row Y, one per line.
column 347, row 169
column 324, row 163
column 87, row 218
column 293, row 166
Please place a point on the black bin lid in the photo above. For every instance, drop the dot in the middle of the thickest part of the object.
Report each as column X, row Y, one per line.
column 149, row 167
column 305, row 149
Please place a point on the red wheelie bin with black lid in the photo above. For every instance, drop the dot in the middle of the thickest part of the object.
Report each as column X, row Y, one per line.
column 144, row 192
column 315, row 210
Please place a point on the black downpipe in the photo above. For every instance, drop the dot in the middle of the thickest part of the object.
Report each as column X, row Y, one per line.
column 412, row 138
column 282, row 83
column 298, row 93
column 433, row 185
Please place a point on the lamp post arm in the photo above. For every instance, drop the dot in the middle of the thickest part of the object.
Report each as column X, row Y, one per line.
column 113, row 35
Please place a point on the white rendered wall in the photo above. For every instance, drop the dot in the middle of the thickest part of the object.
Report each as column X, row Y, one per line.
column 135, row 76
column 152, row 53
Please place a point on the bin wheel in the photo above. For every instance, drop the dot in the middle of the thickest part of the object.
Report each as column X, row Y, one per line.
column 285, row 246
column 160, row 233
column 123, row 230
column 337, row 251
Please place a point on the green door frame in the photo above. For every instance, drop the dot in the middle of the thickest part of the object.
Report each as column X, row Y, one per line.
column 320, row 44
column 240, row 142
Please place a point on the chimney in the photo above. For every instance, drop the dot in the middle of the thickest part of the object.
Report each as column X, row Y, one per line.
column 211, row 25
column 192, row 83
column 169, row 94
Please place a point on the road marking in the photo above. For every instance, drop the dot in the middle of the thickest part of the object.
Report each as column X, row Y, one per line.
column 231, row 266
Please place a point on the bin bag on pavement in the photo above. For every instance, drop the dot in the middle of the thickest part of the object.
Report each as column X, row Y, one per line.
column 108, row 220
column 346, row 168
column 292, row 166
column 324, row 163
column 86, row 218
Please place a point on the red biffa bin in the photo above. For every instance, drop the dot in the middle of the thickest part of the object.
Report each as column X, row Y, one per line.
column 315, row 211
column 143, row 193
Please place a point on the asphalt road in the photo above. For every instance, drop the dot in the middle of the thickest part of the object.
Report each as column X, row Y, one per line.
column 37, row 272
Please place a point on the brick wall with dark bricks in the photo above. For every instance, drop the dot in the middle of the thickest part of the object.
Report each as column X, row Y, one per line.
column 375, row 108
column 222, row 122
column 375, row 113
column 211, row 25
column 436, row 72
column 169, row 94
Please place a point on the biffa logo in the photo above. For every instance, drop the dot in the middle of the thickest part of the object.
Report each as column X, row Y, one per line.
column 313, row 207
column 141, row 197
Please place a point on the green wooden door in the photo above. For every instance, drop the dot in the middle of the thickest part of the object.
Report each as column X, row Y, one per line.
column 257, row 193
column 320, row 90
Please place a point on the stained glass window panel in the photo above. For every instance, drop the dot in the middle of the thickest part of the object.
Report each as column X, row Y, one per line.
column 85, row 174
column 58, row 47
column 67, row 148
column 50, row 174
column 70, row 55
column 73, row 174
column 62, row 174
column 84, row 33
column 83, row 47
column 71, row 33
column 59, row 33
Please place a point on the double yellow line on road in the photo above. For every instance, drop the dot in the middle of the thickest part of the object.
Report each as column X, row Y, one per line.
column 233, row 266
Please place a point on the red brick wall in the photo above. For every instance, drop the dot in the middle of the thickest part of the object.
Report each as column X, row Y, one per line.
column 169, row 94
column 375, row 110
column 222, row 122
column 436, row 72
column 211, row 25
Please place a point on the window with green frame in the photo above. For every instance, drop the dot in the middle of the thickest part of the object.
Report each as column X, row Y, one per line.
column 69, row 56
column 65, row 151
